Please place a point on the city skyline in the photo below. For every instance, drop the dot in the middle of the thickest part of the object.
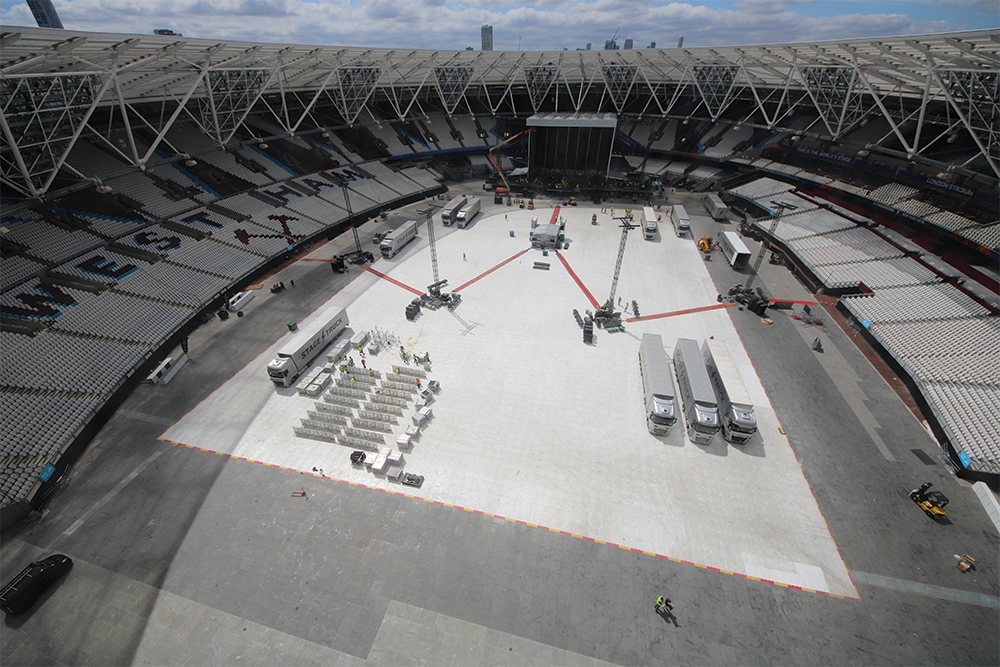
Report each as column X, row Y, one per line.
column 553, row 25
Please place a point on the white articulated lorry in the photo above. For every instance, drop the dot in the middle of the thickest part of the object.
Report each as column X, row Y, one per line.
column 450, row 211
column 313, row 335
column 398, row 237
column 737, row 418
column 649, row 223
column 469, row 211
column 679, row 217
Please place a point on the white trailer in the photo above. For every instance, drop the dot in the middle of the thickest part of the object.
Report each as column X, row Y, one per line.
column 701, row 407
column 715, row 206
column 451, row 209
column 469, row 211
column 649, row 224
column 313, row 335
column 397, row 238
column 734, row 249
column 679, row 217
column 737, row 417
column 657, row 385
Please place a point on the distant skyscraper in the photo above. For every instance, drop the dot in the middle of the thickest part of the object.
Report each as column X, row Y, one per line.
column 589, row 44
column 45, row 14
column 487, row 38
column 628, row 43
column 610, row 45
column 652, row 45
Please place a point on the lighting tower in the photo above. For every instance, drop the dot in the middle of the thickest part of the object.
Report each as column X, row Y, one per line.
column 626, row 227
column 763, row 246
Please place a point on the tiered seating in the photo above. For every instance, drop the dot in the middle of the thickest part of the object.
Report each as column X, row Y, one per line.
column 761, row 188
column 285, row 222
column 214, row 257
column 675, row 170
column 467, row 126
column 877, row 274
column 916, row 208
column 16, row 269
column 46, row 241
column 173, row 172
column 35, row 425
column 702, row 177
column 275, row 170
column 172, row 283
column 730, row 139
column 891, row 193
column 318, row 209
column 226, row 162
column 123, row 317
column 805, row 224
column 43, row 313
column 666, row 142
column 853, row 245
column 136, row 186
column 109, row 226
column 970, row 415
column 66, row 363
column 987, row 236
column 422, row 177
column 245, row 204
column 914, row 304
column 949, row 220
column 92, row 161
column 437, row 125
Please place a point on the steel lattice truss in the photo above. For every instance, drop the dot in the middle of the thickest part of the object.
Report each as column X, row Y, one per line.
column 53, row 81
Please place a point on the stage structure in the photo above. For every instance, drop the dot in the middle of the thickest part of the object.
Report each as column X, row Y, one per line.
column 571, row 142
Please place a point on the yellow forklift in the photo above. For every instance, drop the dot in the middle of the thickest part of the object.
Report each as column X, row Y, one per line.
column 931, row 502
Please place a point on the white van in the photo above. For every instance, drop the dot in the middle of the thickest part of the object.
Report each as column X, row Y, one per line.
column 239, row 300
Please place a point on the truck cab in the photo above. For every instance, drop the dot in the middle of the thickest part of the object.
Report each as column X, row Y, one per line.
column 282, row 371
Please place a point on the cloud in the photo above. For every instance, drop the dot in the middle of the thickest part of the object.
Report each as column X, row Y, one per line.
column 454, row 24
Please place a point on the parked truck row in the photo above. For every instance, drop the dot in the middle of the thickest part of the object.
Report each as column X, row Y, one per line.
column 449, row 214
column 711, row 393
column 468, row 212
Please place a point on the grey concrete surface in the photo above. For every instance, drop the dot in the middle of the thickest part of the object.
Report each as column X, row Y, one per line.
column 201, row 559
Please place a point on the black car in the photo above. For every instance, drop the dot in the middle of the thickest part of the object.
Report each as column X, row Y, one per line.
column 23, row 591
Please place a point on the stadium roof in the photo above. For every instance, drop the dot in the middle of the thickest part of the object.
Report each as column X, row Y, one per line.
column 51, row 81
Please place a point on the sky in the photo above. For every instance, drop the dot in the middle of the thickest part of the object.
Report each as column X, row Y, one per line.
column 542, row 25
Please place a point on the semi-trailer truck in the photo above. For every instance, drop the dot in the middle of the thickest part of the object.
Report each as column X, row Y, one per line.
column 649, row 225
column 736, row 415
column 701, row 408
column 679, row 217
column 313, row 334
column 657, row 385
column 450, row 211
column 469, row 211
column 397, row 238
column 734, row 249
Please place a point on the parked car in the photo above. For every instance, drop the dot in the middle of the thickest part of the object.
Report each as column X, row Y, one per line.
column 23, row 591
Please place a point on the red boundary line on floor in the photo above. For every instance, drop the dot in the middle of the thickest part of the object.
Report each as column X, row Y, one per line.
column 391, row 280
column 488, row 272
column 579, row 282
column 714, row 306
column 555, row 215
column 804, row 303
column 520, row 522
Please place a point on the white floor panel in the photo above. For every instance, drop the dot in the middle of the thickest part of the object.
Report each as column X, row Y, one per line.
column 535, row 426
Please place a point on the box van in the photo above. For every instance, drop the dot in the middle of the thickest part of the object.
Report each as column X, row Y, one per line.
column 23, row 591
column 715, row 207
column 239, row 300
column 679, row 217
